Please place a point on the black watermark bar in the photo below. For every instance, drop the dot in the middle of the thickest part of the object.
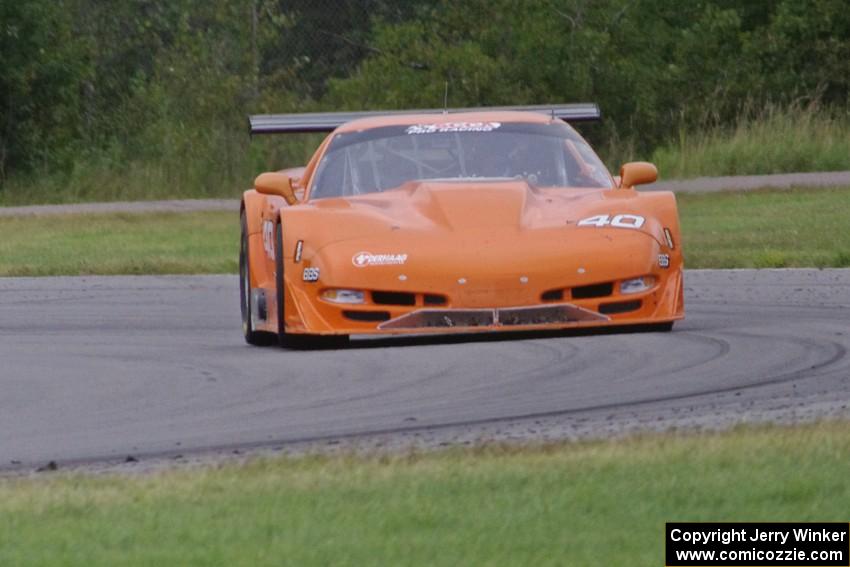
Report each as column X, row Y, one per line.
column 768, row 544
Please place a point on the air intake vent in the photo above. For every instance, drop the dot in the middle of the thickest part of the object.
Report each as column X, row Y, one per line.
column 552, row 295
column 442, row 318
column 511, row 316
column 619, row 307
column 393, row 298
column 367, row 316
column 434, row 299
column 595, row 290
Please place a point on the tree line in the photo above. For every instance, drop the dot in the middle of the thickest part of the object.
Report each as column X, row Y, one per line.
column 173, row 80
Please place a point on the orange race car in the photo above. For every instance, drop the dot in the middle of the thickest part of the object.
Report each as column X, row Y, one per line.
column 454, row 221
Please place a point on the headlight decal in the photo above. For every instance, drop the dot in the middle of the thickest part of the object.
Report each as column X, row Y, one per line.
column 636, row 285
column 346, row 296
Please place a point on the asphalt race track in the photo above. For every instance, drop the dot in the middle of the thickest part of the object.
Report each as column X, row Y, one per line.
column 100, row 368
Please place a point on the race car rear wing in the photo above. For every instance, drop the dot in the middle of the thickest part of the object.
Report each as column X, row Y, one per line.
column 328, row 121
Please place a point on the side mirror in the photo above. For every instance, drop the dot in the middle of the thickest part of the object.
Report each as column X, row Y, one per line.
column 278, row 184
column 637, row 173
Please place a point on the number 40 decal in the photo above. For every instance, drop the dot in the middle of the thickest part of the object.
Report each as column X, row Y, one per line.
column 619, row 221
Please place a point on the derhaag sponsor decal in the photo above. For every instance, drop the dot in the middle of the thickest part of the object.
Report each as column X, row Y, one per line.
column 363, row 259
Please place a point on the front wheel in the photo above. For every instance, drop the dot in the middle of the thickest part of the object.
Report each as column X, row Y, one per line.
column 252, row 337
column 282, row 339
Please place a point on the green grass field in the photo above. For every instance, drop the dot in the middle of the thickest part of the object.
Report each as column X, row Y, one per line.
column 797, row 228
column 146, row 243
column 593, row 503
column 767, row 229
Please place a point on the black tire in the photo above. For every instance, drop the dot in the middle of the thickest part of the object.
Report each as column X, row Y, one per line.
column 252, row 337
column 282, row 339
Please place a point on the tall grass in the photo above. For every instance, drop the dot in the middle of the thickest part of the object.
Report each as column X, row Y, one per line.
column 171, row 161
column 197, row 165
column 763, row 140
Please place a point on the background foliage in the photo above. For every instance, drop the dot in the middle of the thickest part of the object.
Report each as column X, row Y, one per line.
column 148, row 98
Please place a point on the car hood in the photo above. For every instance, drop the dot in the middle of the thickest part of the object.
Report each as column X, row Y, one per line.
column 427, row 233
column 433, row 210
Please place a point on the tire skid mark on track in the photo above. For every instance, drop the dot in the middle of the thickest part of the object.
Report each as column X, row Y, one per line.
column 532, row 374
column 436, row 376
column 154, row 366
column 839, row 354
column 811, row 372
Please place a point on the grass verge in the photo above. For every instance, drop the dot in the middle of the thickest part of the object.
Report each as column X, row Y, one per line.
column 148, row 243
column 594, row 503
column 767, row 229
column 761, row 229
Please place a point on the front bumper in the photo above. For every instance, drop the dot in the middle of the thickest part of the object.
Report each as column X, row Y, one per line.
column 661, row 304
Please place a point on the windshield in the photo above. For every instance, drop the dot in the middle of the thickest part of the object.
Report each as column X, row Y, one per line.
column 378, row 159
